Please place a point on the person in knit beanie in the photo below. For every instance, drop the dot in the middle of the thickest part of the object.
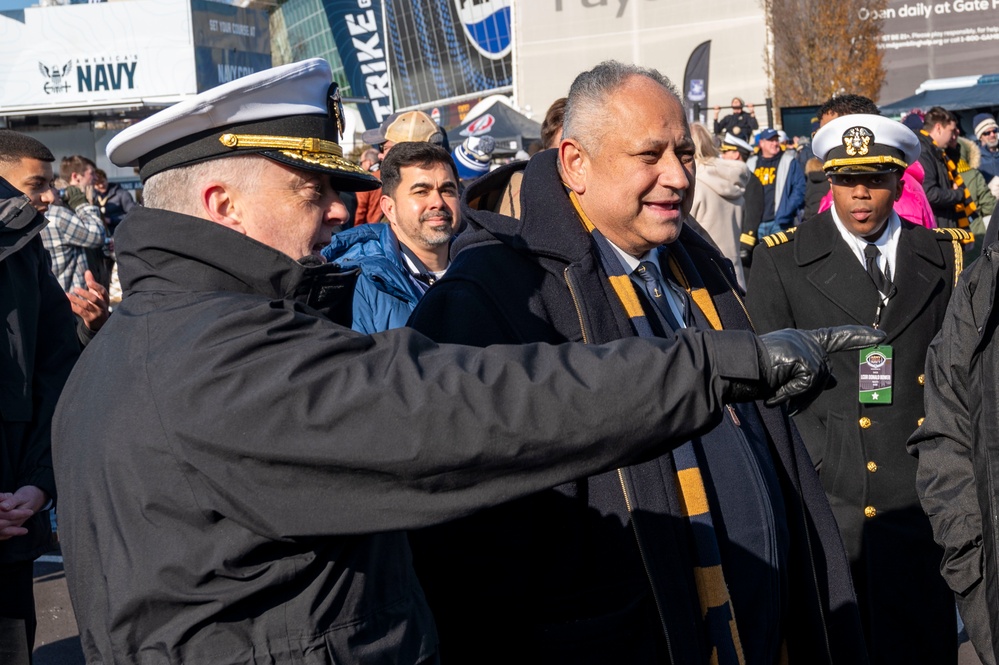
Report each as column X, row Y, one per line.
column 987, row 133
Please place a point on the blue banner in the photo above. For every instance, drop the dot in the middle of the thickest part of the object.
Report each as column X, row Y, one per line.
column 695, row 83
column 360, row 41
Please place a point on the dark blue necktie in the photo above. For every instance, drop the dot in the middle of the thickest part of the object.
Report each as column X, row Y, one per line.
column 651, row 280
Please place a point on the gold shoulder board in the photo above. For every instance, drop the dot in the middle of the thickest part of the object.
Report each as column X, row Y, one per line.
column 780, row 237
column 960, row 235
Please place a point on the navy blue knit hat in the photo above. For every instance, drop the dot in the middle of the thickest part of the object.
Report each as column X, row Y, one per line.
column 982, row 123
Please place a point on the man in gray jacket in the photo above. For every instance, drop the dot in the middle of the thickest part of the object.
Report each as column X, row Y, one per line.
column 243, row 496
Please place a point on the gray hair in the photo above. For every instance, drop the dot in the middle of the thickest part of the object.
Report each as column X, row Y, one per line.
column 585, row 109
column 178, row 189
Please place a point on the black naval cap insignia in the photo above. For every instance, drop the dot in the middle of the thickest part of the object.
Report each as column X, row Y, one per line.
column 857, row 141
column 335, row 106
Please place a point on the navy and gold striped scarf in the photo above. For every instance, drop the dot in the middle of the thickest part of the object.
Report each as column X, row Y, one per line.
column 966, row 208
column 712, row 590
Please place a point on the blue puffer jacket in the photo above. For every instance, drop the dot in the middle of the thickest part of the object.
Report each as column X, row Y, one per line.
column 385, row 296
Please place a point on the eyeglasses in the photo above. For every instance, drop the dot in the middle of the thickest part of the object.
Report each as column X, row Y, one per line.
column 990, row 132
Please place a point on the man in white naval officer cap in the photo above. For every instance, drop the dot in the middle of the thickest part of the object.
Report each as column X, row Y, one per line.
column 237, row 468
column 858, row 262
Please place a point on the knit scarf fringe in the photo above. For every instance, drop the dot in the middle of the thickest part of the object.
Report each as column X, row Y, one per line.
column 968, row 207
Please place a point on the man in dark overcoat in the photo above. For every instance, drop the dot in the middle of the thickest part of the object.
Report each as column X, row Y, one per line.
column 859, row 263
column 607, row 568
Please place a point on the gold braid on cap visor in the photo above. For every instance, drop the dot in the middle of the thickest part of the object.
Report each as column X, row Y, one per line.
column 308, row 150
column 858, row 161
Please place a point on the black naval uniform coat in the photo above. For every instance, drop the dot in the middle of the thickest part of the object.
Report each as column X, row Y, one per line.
column 810, row 278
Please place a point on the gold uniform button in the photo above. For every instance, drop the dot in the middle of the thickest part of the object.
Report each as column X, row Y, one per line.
column 922, row 379
column 919, row 423
column 872, row 467
column 870, row 511
column 865, row 422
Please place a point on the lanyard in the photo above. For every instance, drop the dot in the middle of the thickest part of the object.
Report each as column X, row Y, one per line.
column 882, row 303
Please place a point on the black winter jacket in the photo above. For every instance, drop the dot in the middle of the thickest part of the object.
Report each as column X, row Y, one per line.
column 38, row 347
column 939, row 190
column 958, row 449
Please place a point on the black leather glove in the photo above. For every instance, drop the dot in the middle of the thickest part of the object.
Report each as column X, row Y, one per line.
column 75, row 198
column 795, row 362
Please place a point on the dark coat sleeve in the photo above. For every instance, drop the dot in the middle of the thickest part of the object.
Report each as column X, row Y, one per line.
column 945, row 477
column 766, row 299
column 456, row 428
column 935, row 183
column 56, row 350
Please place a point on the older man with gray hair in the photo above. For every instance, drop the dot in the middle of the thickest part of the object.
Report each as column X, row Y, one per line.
column 722, row 549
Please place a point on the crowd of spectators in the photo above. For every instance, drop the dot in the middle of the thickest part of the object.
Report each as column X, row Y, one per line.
column 799, row 235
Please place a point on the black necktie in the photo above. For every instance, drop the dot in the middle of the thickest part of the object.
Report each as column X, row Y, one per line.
column 648, row 273
column 882, row 282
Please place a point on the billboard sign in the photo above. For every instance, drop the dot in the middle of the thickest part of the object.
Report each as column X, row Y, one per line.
column 229, row 42
column 448, row 49
column 142, row 52
column 360, row 42
column 558, row 39
column 487, row 26
column 95, row 55
column 935, row 39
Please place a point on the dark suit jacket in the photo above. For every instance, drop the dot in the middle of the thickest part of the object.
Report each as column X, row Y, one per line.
column 810, row 279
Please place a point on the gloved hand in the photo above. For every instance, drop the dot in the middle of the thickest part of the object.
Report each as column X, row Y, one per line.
column 795, row 362
column 75, row 197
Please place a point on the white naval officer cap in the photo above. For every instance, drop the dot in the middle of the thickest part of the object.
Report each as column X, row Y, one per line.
column 732, row 142
column 865, row 143
column 291, row 114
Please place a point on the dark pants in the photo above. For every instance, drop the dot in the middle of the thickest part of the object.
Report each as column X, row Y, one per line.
column 17, row 613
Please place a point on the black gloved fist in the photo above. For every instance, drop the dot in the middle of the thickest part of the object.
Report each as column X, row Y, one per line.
column 795, row 364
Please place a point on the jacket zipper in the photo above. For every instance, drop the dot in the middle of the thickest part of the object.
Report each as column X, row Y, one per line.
column 624, row 491
column 575, row 303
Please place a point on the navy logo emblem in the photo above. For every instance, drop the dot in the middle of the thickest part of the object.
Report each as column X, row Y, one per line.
column 696, row 92
column 56, row 77
column 857, row 141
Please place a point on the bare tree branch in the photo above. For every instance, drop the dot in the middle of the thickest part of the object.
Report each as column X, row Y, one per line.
column 819, row 49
